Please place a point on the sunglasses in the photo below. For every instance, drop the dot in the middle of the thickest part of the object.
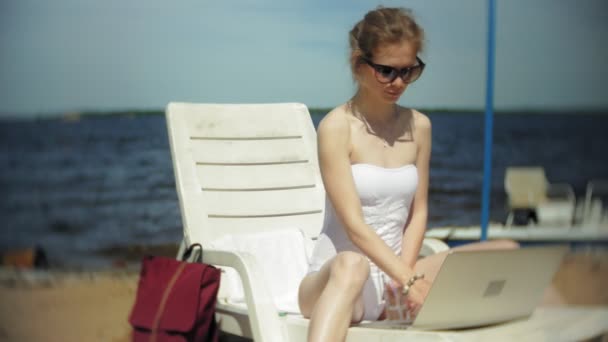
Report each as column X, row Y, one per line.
column 388, row 74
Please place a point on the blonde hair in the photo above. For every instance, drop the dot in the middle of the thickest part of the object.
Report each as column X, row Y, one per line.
column 383, row 26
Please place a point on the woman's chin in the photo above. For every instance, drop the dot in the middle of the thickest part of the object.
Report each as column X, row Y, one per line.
column 391, row 97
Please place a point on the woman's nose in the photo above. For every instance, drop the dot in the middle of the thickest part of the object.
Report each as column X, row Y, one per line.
column 398, row 82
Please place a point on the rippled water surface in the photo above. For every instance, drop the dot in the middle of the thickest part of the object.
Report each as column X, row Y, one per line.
column 82, row 189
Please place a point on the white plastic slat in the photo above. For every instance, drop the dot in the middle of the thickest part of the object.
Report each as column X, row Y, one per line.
column 248, row 151
column 262, row 203
column 248, row 177
column 255, row 136
column 309, row 224
column 229, row 121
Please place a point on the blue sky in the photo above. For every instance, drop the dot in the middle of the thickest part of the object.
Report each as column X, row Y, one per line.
column 71, row 55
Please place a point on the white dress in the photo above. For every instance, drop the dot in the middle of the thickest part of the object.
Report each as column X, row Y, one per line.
column 386, row 196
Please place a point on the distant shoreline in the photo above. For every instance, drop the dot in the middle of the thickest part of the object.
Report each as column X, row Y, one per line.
column 77, row 115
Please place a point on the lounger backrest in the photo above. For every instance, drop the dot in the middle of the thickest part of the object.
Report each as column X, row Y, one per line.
column 245, row 168
column 526, row 187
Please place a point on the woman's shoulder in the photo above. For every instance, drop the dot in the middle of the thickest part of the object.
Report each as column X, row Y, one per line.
column 337, row 121
column 419, row 121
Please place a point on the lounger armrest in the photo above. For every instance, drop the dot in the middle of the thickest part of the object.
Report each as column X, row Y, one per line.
column 432, row 246
column 263, row 315
column 561, row 190
column 598, row 185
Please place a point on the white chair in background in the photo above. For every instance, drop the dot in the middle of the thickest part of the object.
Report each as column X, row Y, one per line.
column 595, row 215
column 528, row 189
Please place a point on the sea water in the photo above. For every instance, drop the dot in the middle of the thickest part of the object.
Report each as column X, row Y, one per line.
column 86, row 190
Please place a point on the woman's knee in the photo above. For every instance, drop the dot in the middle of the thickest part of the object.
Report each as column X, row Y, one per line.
column 489, row 245
column 506, row 244
column 350, row 269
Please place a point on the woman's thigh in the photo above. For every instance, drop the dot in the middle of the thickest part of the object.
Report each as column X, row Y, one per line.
column 313, row 284
column 430, row 265
column 311, row 288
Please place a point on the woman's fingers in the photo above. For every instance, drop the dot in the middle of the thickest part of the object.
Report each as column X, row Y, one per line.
column 410, row 304
column 417, row 295
column 390, row 294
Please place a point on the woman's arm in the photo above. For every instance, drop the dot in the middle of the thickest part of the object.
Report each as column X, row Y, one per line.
column 416, row 225
column 334, row 150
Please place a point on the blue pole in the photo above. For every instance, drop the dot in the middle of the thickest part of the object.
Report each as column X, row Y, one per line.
column 489, row 123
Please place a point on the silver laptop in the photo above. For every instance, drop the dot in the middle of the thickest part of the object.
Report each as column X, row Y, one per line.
column 476, row 288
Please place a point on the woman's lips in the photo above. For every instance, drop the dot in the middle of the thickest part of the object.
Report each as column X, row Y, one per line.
column 394, row 93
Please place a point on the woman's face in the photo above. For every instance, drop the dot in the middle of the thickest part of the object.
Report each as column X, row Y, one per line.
column 400, row 55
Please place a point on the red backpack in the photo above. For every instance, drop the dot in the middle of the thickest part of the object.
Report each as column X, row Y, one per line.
column 175, row 301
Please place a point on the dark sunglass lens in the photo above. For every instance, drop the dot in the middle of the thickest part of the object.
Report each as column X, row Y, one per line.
column 411, row 74
column 385, row 72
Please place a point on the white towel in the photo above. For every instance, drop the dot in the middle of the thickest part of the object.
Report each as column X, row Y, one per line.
column 283, row 258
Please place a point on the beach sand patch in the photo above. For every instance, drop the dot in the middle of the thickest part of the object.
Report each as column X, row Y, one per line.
column 95, row 306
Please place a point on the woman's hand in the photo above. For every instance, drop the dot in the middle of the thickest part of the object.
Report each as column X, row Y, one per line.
column 417, row 294
column 400, row 307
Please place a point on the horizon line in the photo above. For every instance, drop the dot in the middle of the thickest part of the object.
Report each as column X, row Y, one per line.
column 313, row 110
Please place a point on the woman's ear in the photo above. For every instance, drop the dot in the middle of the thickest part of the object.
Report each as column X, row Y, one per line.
column 355, row 63
column 355, row 57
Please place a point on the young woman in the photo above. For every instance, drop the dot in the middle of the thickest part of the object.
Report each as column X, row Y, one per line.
column 374, row 159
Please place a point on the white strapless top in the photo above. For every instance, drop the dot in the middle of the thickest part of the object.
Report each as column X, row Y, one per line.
column 386, row 195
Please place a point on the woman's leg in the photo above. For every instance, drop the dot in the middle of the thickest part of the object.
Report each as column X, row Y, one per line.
column 430, row 265
column 331, row 298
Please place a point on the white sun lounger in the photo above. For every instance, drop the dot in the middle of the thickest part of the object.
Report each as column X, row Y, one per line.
column 252, row 169
column 528, row 188
column 595, row 214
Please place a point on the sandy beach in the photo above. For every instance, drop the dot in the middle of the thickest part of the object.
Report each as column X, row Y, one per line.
column 85, row 306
